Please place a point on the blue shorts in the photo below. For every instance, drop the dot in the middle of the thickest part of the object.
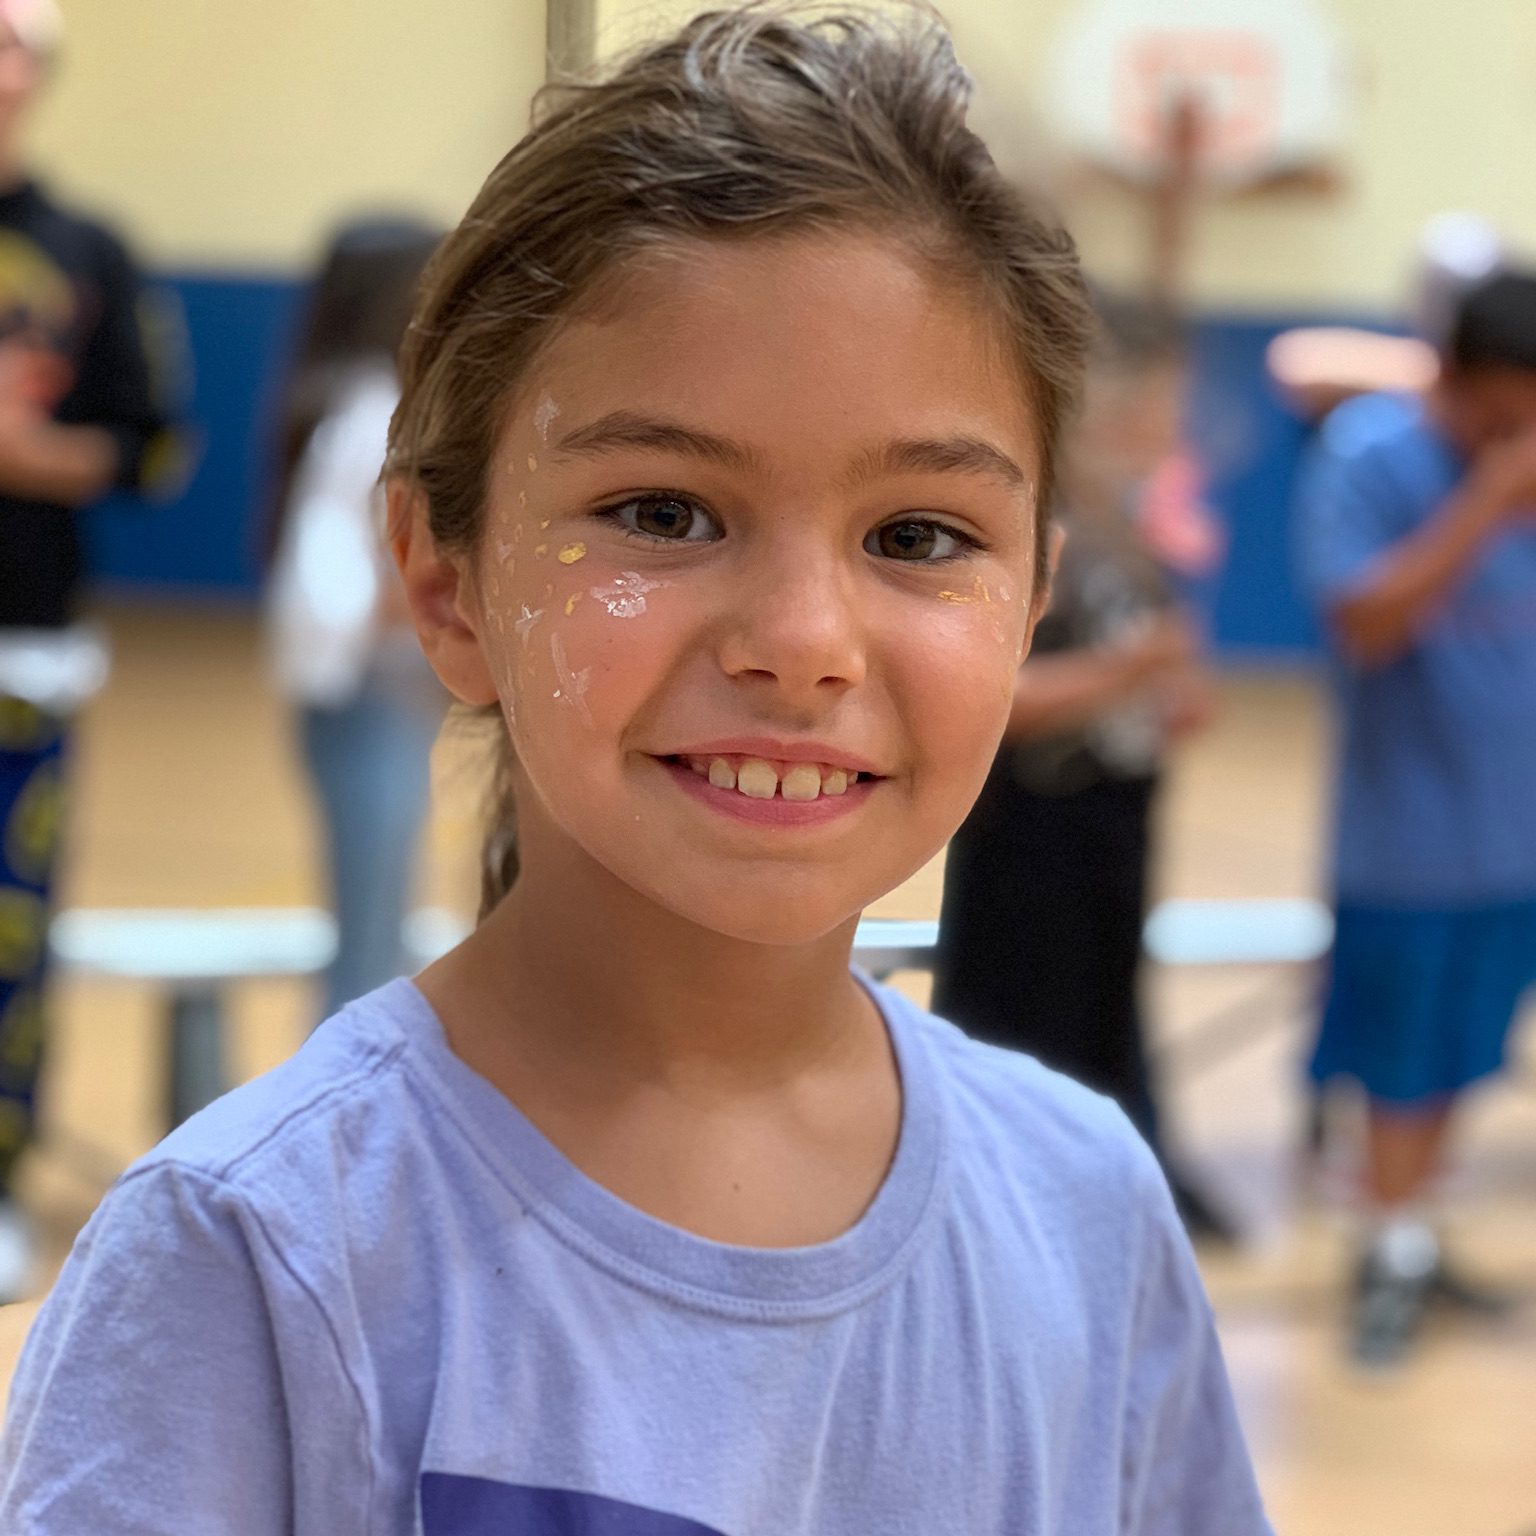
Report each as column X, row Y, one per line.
column 1419, row 1003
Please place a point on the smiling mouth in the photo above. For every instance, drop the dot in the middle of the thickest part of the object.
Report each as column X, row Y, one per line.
column 758, row 779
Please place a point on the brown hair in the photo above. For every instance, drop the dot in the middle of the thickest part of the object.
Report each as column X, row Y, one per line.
column 757, row 120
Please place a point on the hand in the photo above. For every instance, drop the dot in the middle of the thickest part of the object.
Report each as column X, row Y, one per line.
column 1190, row 701
column 1168, row 643
column 1506, row 473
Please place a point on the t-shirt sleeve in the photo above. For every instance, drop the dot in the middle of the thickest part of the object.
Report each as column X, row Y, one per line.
column 1343, row 519
column 1187, row 1472
column 169, row 1381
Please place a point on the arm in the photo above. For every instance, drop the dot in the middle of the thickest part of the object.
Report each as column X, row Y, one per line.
column 1318, row 367
column 1187, row 1469
column 1064, row 689
column 44, row 461
column 1380, row 616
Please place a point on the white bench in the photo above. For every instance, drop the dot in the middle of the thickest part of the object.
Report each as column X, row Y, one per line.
column 197, row 955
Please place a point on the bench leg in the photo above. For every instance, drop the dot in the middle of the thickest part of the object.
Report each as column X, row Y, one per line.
column 195, row 1075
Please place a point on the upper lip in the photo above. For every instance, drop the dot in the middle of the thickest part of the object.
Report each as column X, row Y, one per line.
column 772, row 750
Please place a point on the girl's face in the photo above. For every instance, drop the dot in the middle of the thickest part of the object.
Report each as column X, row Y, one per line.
column 755, row 580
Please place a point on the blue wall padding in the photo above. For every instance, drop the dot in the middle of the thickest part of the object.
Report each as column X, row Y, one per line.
column 1251, row 446
column 204, row 543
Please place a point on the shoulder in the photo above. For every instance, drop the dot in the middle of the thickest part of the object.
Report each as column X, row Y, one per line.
column 1017, row 1122
column 295, row 1147
column 1371, row 426
column 91, row 241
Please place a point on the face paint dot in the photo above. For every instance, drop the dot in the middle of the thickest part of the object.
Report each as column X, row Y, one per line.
column 572, row 553
column 955, row 597
column 533, row 463
column 540, row 551
column 503, row 551
column 570, row 603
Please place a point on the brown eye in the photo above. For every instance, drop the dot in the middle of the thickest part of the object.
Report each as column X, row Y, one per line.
column 673, row 519
column 915, row 538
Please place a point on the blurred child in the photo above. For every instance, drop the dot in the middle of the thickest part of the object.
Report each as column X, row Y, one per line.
column 82, row 413
column 723, row 417
column 1417, row 540
column 1045, row 884
column 343, row 649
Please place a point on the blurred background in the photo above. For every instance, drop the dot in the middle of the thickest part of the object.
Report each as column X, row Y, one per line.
column 227, row 145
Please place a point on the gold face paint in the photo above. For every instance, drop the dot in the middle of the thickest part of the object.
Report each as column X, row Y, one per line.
column 572, row 553
column 533, row 464
column 570, row 603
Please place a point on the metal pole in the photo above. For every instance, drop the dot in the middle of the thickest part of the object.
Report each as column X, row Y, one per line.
column 570, row 36
column 196, row 1049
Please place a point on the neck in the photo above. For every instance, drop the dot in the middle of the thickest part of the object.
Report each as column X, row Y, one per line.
column 592, row 977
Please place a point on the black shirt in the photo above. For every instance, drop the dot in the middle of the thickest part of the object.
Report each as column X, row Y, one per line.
column 77, row 338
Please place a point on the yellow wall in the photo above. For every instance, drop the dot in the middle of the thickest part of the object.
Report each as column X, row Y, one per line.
column 231, row 134
column 1446, row 120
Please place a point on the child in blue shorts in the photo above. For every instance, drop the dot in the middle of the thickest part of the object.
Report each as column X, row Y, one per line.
column 1417, row 539
column 728, row 418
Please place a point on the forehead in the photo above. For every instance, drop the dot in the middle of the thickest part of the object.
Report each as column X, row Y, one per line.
column 821, row 336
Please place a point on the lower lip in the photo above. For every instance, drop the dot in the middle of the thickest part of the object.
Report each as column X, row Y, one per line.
column 777, row 812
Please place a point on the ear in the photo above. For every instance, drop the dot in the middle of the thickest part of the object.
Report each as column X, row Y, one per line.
column 438, row 588
column 1040, row 602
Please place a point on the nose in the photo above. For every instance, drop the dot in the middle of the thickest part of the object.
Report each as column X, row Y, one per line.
column 793, row 625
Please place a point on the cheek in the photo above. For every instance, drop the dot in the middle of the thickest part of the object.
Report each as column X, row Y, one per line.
column 961, row 669
column 588, row 647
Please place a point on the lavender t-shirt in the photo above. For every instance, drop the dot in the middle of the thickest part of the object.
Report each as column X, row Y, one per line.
column 364, row 1294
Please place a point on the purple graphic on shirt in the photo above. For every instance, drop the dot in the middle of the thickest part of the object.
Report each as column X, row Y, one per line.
column 476, row 1506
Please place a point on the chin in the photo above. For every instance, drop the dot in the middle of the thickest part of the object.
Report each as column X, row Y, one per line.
column 770, row 912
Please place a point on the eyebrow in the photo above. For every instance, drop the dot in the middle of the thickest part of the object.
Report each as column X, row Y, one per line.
column 938, row 455
column 628, row 429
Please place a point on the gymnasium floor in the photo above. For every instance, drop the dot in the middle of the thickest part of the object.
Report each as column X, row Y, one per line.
column 186, row 797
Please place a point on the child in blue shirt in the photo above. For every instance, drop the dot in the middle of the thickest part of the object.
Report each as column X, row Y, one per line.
column 1417, row 524
column 728, row 417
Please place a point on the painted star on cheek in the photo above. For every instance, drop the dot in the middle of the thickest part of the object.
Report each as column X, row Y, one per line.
column 624, row 596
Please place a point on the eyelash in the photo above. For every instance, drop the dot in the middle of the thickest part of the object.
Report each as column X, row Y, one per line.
column 613, row 513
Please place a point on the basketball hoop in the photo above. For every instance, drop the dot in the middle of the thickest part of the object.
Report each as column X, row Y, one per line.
column 1262, row 79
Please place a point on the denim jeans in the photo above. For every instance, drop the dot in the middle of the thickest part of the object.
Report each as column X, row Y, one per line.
column 369, row 760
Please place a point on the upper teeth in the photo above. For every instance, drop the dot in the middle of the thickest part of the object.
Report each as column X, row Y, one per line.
column 761, row 780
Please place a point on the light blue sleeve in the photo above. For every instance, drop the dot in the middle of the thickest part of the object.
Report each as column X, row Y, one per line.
column 1342, row 519
column 180, row 1380
column 1188, row 1471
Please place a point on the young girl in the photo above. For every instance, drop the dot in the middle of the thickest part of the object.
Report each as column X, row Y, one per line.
column 727, row 415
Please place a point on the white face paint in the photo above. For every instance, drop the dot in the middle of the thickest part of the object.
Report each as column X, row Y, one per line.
column 573, row 684
column 525, row 621
column 544, row 416
column 624, row 596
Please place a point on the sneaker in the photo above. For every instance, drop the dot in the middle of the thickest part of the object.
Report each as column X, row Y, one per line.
column 1394, row 1286
column 18, row 1253
column 1450, row 1288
